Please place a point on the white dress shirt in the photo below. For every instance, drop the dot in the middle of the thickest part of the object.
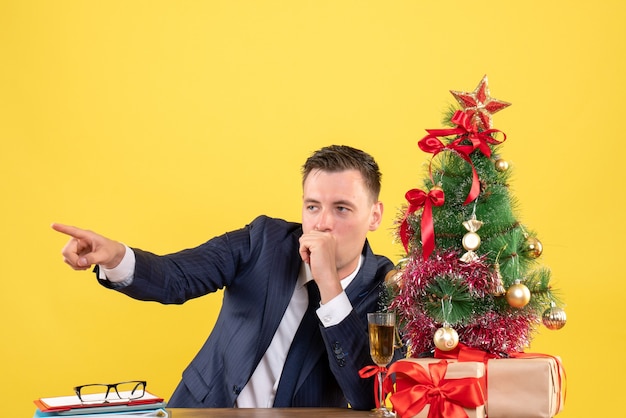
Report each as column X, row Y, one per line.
column 261, row 388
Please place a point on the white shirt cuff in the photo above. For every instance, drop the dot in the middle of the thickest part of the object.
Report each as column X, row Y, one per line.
column 335, row 311
column 123, row 273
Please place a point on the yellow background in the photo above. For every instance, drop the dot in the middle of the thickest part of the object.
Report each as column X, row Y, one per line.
column 164, row 123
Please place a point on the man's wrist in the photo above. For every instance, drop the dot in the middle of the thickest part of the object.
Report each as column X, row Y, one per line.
column 335, row 311
column 119, row 255
column 124, row 270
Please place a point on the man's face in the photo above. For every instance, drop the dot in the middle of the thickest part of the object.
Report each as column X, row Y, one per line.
column 339, row 204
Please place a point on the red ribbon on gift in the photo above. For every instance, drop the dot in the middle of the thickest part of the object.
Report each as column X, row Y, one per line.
column 417, row 199
column 464, row 353
column 373, row 370
column 416, row 388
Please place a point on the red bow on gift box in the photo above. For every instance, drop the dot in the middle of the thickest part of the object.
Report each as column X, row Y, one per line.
column 464, row 353
column 416, row 388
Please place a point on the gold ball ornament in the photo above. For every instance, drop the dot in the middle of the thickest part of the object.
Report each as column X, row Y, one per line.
column 389, row 277
column 534, row 247
column 554, row 318
column 446, row 338
column 393, row 279
column 518, row 295
column 501, row 165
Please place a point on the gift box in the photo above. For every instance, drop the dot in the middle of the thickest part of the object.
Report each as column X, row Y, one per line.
column 525, row 387
column 446, row 387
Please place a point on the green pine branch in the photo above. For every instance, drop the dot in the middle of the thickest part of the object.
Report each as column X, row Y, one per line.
column 448, row 300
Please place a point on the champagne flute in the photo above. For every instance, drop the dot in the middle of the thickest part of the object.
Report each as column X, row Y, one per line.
column 381, row 327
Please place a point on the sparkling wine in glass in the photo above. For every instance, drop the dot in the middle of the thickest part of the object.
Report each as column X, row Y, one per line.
column 381, row 326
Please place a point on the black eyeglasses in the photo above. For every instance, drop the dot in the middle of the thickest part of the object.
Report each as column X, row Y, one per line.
column 103, row 392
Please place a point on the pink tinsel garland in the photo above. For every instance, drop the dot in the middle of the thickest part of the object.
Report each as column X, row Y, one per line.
column 500, row 330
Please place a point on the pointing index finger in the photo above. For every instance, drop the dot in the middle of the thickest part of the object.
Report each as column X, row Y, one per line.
column 69, row 230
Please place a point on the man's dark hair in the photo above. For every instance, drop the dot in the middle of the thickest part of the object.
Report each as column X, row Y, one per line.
column 335, row 158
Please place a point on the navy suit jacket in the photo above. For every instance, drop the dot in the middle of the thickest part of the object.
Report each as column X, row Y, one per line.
column 258, row 266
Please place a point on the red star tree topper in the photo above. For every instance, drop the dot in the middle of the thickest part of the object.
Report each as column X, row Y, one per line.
column 479, row 104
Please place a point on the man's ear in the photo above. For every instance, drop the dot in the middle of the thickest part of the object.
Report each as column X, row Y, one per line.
column 376, row 216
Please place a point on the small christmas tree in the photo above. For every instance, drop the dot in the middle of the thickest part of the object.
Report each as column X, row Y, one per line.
column 471, row 273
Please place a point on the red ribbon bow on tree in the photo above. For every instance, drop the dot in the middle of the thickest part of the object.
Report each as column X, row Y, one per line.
column 415, row 388
column 464, row 130
column 417, row 199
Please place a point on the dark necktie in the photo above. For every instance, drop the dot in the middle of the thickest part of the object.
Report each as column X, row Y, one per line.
column 309, row 327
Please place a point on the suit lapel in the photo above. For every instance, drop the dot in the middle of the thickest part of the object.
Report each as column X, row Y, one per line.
column 280, row 287
column 359, row 288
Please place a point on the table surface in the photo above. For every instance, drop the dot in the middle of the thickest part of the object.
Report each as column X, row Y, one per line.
column 267, row 412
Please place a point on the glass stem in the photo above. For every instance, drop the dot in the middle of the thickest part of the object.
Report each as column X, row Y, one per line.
column 380, row 390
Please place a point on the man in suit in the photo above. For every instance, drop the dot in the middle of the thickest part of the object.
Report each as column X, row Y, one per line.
column 292, row 330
